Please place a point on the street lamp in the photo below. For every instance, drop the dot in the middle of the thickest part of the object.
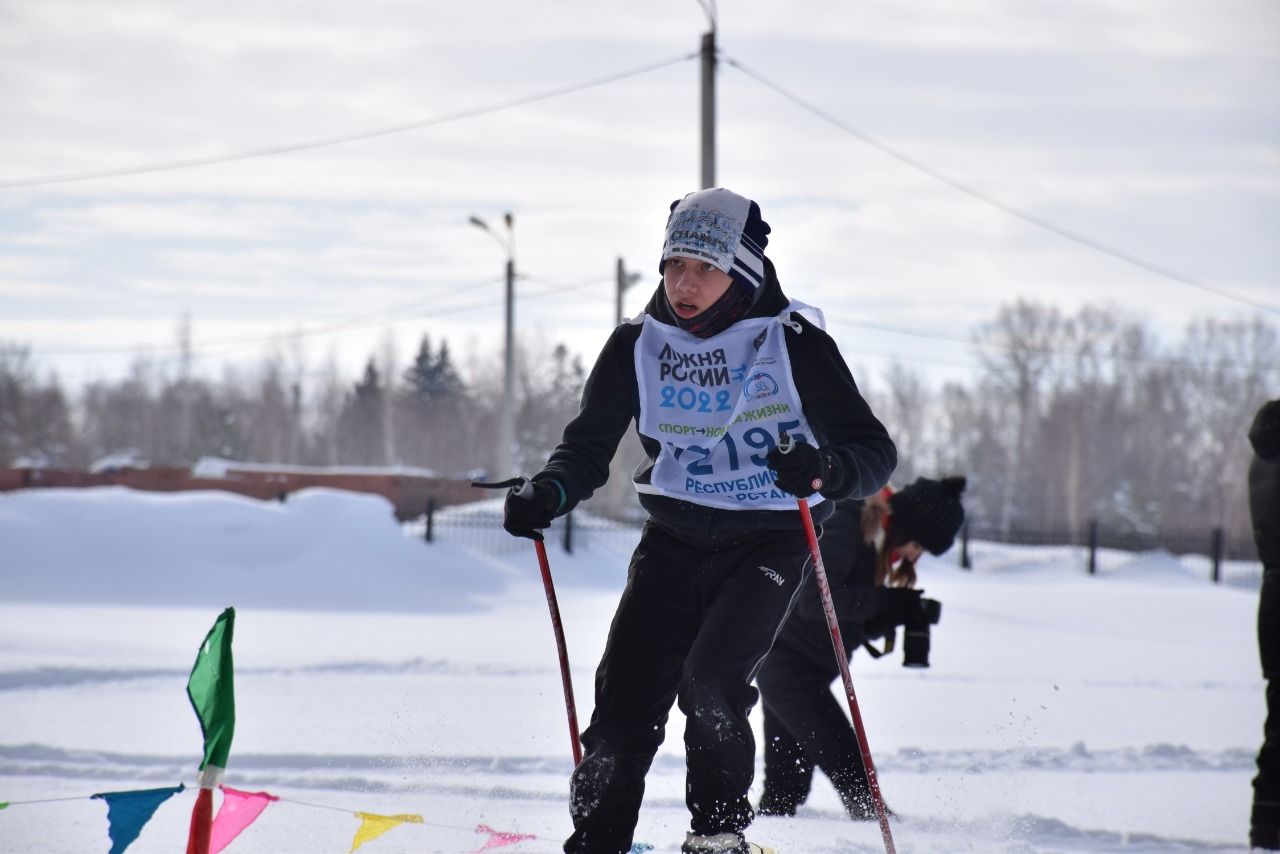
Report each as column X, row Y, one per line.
column 507, row 413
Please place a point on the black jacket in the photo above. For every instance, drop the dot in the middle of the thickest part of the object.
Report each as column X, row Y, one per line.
column 850, row 563
column 832, row 404
column 865, row 612
column 1264, row 484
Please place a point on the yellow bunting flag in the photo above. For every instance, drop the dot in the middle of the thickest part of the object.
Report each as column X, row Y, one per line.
column 372, row 826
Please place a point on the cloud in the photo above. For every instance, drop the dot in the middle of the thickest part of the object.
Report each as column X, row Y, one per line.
column 1147, row 125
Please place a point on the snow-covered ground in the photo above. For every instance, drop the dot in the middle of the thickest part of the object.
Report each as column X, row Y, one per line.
column 377, row 673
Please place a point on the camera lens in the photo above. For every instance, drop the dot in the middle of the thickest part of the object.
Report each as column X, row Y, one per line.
column 915, row 646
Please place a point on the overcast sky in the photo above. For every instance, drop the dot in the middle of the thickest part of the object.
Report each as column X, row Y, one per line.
column 1151, row 127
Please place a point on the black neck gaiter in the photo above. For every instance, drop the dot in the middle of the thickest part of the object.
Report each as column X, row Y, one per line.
column 722, row 313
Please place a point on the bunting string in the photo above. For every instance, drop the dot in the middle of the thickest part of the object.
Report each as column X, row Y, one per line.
column 4, row 804
column 211, row 691
column 356, row 812
column 129, row 811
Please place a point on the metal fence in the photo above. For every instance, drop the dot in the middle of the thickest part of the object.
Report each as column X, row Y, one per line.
column 478, row 526
column 1210, row 548
column 1096, row 550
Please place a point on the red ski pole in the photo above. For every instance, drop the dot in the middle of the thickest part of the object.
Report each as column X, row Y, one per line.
column 562, row 650
column 523, row 487
column 833, row 624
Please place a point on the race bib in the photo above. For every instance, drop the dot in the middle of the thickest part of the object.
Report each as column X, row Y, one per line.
column 717, row 406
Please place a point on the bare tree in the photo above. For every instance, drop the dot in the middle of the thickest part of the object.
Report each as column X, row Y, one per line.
column 1082, row 461
column 904, row 408
column 973, row 444
column 1020, row 347
column 550, row 389
column 121, row 416
column 326, row 414
column 270, row 413
column 35, row 419
column 1229, row 369
column 390, row 360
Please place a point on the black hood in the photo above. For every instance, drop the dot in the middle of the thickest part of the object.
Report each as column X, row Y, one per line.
column 769, row 301
column 1265, row 432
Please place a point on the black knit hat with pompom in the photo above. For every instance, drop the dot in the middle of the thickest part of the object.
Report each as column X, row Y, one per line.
column 929, row 512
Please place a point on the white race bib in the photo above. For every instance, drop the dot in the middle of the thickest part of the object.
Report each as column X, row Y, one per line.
column 717, row 406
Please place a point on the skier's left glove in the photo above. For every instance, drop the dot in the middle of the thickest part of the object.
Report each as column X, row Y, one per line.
column 525, row 515
column 804, row 469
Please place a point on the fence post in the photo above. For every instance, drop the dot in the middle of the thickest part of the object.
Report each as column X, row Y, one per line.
column 965, row 562
column 568, row 533
column 431, row 520
column 1217, row 555
column 1093, row 546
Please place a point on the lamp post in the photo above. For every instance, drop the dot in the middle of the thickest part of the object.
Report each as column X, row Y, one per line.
column 708, row 112
column 507, row 413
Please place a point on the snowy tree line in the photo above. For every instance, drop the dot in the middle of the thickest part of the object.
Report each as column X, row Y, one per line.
column 1086, row 416
column 423, row 414
column 1070, row 418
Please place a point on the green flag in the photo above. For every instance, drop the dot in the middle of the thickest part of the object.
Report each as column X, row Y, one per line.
column 211, row 689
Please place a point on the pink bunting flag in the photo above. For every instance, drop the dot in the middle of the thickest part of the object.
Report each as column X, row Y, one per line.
column 500, row 839
column 238, row 811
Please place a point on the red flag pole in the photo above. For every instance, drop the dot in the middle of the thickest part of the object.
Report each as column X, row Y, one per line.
column 201, row 823
column 833, row 623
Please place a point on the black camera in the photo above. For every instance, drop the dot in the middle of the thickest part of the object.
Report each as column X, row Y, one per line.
column 915, row 632
column 903, row 606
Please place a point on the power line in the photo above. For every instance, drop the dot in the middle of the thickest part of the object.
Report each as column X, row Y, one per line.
column 266, row 151
column 386, row 318
column 409, row 311
column 1047, row 351
column 559, row 288
column 986, row 198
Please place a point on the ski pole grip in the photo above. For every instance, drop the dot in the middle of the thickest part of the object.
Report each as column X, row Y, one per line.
column 521, row 486
column 786, row 443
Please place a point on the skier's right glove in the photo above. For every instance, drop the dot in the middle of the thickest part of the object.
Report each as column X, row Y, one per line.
column 524, row 515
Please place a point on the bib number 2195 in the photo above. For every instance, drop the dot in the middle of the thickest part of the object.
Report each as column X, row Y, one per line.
column 759, row 439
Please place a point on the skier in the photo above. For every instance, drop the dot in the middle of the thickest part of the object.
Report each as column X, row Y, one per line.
column 718, row 366
column 1264, row 508
column 869, row 550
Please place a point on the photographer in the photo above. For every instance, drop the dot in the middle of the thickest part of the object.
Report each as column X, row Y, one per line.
column 869, row 550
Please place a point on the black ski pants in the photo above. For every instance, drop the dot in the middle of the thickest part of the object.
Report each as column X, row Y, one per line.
column 1265, row 812
column 693, row 625
column 805, row 726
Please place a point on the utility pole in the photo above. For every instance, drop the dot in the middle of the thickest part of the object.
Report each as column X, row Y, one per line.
column 709, row 105
column 507, row 425
column 624, row 281
column 504, row 459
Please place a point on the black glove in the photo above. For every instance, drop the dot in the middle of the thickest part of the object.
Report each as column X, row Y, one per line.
column 525, row 515
column 804, row 469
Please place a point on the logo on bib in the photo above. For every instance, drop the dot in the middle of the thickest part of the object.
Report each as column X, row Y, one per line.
column 759, row 385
